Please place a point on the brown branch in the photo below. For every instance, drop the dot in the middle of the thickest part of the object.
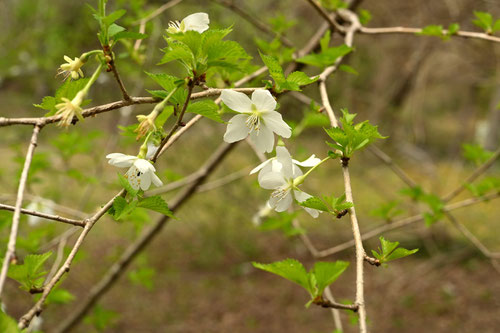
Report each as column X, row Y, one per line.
column 116, row 270
column 372, row 261
column 78, row 223
column 11, row 246
column 391, row 164
column 413, row 31
column 329, row 304
column 321, row 11
column 403, row 223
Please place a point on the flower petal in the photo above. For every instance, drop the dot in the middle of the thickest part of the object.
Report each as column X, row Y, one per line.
column 285, row 159
column 275, row 122
column 121, row 160
column 272, row 180
column 145, row 180
column 263, row 139
column 261, row 166
column 236, row 101
column 196, row 22
column 310, row 162
column 132, row 177
column 156, row 180
column 236, row 129
column 263, row 100
column 144, row 166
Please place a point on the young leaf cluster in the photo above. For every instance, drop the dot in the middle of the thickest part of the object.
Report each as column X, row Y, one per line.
column 314, row 282
column 433, row 202
column 390, row 251
column 68, row 89
column 281, row 83
column 199, row 53
column 30, row 274
column 335, row 206
column 350, row 137
column 475, row 153
column 485, row 21
column 437, row 30
column 387, row 211
column 327, row 56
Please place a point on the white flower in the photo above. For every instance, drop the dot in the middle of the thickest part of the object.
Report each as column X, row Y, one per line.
column 281, row 177
column 194, row 22
column 141, row 172
column 41, row 207
column 152, row 148
column 272, row 164
column 68, row 109
column 72, row 68
column 257, row 118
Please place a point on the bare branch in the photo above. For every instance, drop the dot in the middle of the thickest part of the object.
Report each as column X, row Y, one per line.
column 11, row 246
column 46, row 216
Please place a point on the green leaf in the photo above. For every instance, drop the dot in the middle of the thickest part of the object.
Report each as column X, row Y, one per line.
column 126, row 185
column 121, row 208
column 475, row 153
column 496, row 26
column 364, row 16
column 8, row 324
column 453, row 28
column 348, row 69
column 325, row 41
column 484, row 21
column 30, row 273
column 113, row 29
column 326, row 57
column 387, row 211
column 60, row 296
column 143, row 276
column 169, row 83
column 432, row 30
column 109, row 19
column 178, row 51
column 206, row 108
column 300, row 79
column 282, row 221
column 157, row 204
column 68, row 90
column 327, row 272
column 289, row 269
column 101, row 318
column 274, row 67
column 390, row 251
column 314, row 203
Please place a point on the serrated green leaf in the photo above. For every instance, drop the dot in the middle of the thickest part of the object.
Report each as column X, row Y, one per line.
column 178, row 51
column 390, row 251
column 274, row 67
column 453, row 29
column 475, row 153
column 400, row 253
column 327, row 272
column 496, row 26
column 157, row 204
column 327, row 57
column 325, row 41
column 289, row 269
column 169, row 83
column 314, row 203
column 30, row 273
column 432, row 30
column 484, row 20
column 60, row 296
column 68, row 89
column 300, row 78
column 206, row 108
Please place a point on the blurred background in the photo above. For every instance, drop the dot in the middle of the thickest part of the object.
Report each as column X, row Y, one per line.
column 429, row 96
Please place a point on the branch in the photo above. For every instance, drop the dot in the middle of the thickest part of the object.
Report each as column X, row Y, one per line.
column 413, row 31
column 328, row 304
column 78, row 223
column 11, row 246
column 116, row 270
column 404, row 222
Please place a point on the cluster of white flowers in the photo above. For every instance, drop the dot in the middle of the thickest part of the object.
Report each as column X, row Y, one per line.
column 258, row 120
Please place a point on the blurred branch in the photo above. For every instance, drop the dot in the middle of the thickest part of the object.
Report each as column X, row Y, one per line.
column 476, row 173
column 46, row 216
column 11, row 246
column 413, row 31
column 253, row 20
column 117, row 269
column 397, row 224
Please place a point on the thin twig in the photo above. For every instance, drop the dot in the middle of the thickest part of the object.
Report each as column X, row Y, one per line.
column 59, row 257
column 413, row 31
column 329, row 304
column 11, row 246
column 404, row 222
column 46, row 216
column 125, row 95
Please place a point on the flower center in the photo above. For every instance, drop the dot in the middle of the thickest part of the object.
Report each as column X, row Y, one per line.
column 175, row 25
column 253, row 121
column 282, row 191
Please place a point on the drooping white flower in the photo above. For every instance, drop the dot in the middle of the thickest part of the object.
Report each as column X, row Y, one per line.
column 273, row 164
column 41, row 207
column 282, row 178
column 257, row 118
column 152, row 148
column 72, row 68
column 69, row 109
column 194, row 22
column 141, row 173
